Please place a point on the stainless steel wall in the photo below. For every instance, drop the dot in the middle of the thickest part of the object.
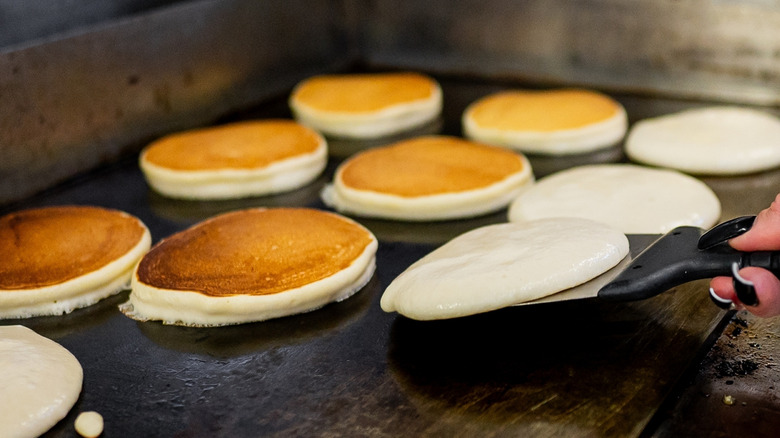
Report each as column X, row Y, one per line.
column 725, row 50
column 71, row 101
column 30, row 21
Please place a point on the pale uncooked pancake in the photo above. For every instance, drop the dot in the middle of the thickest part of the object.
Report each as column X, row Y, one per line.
column 252, row 265
column 631, row 198
column 234, row 161
column 502, row 265
column 368, row 105
column 551, row 122
column 714, row 140
column 57, row 259
column 40, row 382
column 428, row 178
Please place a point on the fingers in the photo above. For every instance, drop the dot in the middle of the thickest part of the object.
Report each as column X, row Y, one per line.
column 765, row 284
column 757, row 290
column 765, row 233
column 722, row 292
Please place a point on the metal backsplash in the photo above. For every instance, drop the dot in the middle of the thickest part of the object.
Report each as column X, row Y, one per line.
column 88, row 81
column 727, row 50
column 28, row 21
column 75, row 100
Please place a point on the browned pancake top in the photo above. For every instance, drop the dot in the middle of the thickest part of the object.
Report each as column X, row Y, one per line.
column 429, row 166
column 544, row 111
column 254, row 252
column 243, row 145
column 356, row 93
column 47, row 246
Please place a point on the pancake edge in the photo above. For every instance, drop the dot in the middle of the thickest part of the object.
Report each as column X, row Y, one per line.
column 277, row 177
column 588, row 138
column 190, row 308
column 387, row 121
column 445, row 206
column 76, row 293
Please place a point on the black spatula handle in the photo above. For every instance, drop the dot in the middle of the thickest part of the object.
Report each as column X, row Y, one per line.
column 763, row 259
column 675, row 259
column 724, row 231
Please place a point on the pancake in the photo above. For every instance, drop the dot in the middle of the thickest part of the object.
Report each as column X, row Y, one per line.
column 631, row 198
column 41, row 382
column 497, row 266
column 236, row 160
column 428, row 178
column 252, row 265
column 57, row 259
column 369, row 105
column 549, row 122
column 722, row 140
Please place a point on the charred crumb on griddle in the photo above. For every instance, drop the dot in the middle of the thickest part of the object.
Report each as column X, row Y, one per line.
column 735, row 367
column 740, row 325
column 735, row 355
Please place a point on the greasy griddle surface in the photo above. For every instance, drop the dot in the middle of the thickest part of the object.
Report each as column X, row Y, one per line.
column 349, row 369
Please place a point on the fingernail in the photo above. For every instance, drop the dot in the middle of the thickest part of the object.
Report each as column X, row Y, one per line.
column 746, row 292
column 720, row 302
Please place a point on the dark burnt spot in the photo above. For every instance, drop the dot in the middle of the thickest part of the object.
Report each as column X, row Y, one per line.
column 737, row 367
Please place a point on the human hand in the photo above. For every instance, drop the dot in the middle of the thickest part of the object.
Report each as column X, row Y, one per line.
column 765, row 286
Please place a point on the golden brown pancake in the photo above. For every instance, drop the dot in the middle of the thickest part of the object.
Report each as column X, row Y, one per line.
column 235, row 160
column 252, row 265
column 428, row 178
column 548, row 122
column 366, row 105
column 61, row 258
column 357, row 93
column 543, row 110
column 242, row 145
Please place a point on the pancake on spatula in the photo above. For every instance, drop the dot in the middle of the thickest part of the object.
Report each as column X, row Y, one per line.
column 236, row 160
column 252, row 265
column 548, row 122
column 497, row 266
column 41, row 382
column 368, row 105
column 57, row 259
column 428, row 178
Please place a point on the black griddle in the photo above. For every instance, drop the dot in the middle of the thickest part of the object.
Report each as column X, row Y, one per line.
column 349, row 369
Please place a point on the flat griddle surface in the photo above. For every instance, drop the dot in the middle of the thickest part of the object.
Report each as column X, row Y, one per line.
column 349, row 369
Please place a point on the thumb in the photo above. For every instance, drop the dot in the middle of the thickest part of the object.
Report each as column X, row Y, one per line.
column 765, row 233
column 767, row 288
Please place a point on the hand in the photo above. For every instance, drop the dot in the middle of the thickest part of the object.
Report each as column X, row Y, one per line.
column 763, row 236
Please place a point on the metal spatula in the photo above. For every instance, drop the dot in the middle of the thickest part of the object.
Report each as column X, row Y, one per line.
column 658, row 263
